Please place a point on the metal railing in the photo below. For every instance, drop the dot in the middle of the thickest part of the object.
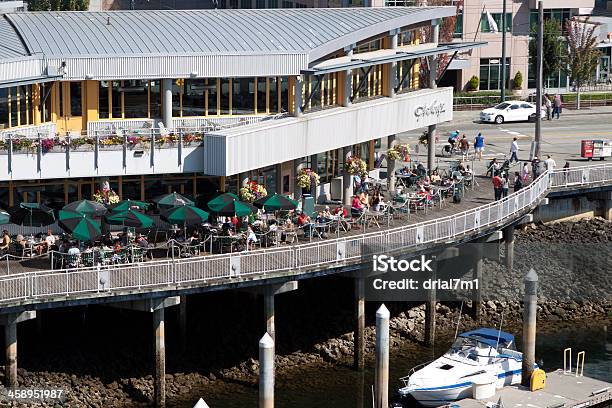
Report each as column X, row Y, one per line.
column 44, row 286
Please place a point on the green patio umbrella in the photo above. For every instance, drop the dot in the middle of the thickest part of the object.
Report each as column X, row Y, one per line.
column 125, row 205
column 185, row 215
column 88, row 207
column 130, row 218
column 81, row 226
column 31, row 215
column 229, row 204
column 276, row 202
column 5, row 217
column 172, row 200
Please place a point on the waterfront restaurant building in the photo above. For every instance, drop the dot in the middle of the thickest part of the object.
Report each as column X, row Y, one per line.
column 201, row 101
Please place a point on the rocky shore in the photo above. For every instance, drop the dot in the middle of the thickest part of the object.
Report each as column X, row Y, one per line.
column 569, row 294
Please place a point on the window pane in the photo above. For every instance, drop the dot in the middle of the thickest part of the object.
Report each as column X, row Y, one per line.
column 4, row 108
column 245, row 4
column 212, row 95
column 494, row 76
column 284, row 94
column 135, row 99
column 261, row 95
column 103, row 111
column 156, row 98
column 260, row 4
column 484, row 77
column 45, row 101
column 274, row 95
column 75, row 99
column 13, row 95
column 24, row 116
column 272, row 3
column 116, row 99
column 177, row 93
column 243, row 97
column 193, row 98
column 225, row 91
column 484, row 24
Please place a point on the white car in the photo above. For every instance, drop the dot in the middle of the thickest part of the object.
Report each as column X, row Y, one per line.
column 510, row 111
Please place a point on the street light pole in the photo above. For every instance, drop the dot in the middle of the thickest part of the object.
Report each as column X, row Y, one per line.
column 503, row 56
column 539, row 69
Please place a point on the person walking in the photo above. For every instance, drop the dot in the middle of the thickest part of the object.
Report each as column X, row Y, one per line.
column 548, row 105
column 514, row 148
column 505, row 185
column 525, row 174
column 566, row 168
column 497, row 187
column 557, row 106
column 464, row 145
column 535, row 167
column 518, row 184
column 479, row 144
column 549, row 163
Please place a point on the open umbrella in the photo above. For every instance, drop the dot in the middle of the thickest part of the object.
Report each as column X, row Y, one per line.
column 130, row 218
column 185, row 214
column 128, row 204
column 31, row 214
column 229, row 204
column 88, row 207
column 276, row 202
column 81, row 226
column 172, row 200
column 5, row 217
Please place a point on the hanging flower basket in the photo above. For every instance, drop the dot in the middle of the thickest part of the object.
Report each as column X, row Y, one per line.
column 304, row 178
column 113, row 198
column 252, row 191
column 399, row 152
column 354, row 165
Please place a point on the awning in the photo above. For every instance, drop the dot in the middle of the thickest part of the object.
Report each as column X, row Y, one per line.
column 30, row 81
column 387, row 56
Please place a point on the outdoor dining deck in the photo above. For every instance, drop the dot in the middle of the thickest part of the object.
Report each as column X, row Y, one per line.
column 161, row 247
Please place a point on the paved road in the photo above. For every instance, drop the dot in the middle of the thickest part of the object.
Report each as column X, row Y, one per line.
column 561, row 138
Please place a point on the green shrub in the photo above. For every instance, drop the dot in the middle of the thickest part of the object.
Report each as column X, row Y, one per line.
column 473, row 83
column 518, row 80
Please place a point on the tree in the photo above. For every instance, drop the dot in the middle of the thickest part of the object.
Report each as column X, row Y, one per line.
column 552, row 48
column 58, row 5
column 582, row 54
column 447, row 30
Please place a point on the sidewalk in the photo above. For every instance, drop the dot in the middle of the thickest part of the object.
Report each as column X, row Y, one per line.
column 463, row 116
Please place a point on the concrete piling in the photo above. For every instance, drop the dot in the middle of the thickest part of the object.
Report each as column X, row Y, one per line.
column 269, row 311
column 266, row 372
column 509, row 240
column 530, row 304
column 159, row 381
column 430, row 313
column 359, row 332
column 381, row 375
column 477, row 276
column 183, row 321
column 10, row 341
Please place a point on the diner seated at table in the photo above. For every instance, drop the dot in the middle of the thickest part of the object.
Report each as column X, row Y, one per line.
column 340, row 211
column 376, row 200
column 327, row 213
column 304, row 222
column 321, row 220
column 357, row 207
column 6, row 241
column 251, row 238
column 435, row 177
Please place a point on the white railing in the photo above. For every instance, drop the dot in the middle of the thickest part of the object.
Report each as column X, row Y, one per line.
column 165, row 274
column 115, row 126
column 45, row 130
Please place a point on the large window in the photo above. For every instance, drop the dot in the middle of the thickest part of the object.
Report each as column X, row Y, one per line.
column 129, row 99
column 76, row 99
column 225, row 92
column 16, row 107
column 487, row 27
column 193, row 97
column 243, row 96
column 560, row 15
column 556, row 80
column 490, row 73
column 458, row 33
column 135, row 99
column 367, row 83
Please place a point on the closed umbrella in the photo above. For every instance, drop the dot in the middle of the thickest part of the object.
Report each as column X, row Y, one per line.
column 88, row 207
column 185, row 214
column 128, row 204
column 81, row 226
column 172, row 200
column 229, row 204
column 276, row 202
column 130, row 218
column 31, row 215
column 5, row 217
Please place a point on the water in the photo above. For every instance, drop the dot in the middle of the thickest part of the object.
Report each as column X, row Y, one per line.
column 341, row 387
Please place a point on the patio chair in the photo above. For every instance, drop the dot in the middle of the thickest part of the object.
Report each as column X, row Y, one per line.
column 73, row 261
column 88, row 258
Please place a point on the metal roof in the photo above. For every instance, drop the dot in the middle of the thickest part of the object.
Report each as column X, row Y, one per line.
column 10, row 46
column 316, row 32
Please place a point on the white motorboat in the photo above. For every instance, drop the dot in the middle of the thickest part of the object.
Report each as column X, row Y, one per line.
column 487, row 355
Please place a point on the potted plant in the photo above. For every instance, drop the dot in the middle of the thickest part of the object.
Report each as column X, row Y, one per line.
column 473, row 83
column 517, row 83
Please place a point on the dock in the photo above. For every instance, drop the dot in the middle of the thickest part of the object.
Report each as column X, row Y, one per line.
column 563, row 390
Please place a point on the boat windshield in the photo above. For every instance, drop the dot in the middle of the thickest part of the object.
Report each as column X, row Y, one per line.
column 465, row 343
